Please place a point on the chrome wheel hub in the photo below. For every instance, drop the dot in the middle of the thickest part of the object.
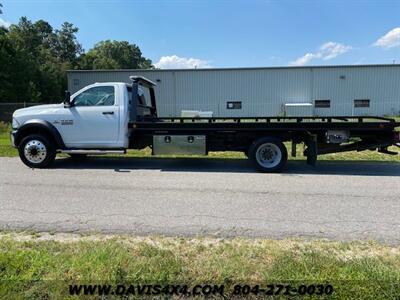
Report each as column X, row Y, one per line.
column 35, row 151
column 269, row 155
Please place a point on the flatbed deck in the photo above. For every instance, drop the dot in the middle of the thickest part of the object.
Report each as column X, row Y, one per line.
column 265, row 123
column 237, row 134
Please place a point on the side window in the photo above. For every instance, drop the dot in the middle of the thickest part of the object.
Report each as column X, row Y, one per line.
column 96, row 96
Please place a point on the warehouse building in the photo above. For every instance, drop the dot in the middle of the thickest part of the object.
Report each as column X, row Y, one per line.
column 275, row 91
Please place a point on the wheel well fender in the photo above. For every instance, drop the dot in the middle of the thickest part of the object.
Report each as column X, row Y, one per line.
column 41, row 127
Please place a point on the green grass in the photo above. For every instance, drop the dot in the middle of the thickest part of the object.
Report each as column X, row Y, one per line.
column 42, row 267
column 7, row 151
column 5, row 146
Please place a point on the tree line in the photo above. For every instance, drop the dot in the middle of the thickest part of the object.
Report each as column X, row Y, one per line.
column 34, row 58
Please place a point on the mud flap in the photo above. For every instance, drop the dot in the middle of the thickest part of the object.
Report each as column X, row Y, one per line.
column 385, row 150
column 312, row 150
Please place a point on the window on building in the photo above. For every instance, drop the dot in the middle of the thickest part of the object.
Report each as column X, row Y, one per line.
column 322, row 103
column 234, row 105
column 361, row 103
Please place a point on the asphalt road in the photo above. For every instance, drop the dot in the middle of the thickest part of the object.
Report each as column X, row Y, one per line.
column 201, row 196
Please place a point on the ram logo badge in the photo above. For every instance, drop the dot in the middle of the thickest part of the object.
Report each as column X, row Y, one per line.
column 67, row 122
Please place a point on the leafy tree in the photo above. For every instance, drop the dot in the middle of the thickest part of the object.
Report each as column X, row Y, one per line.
column 18, row 73
column 34, row 58
column 41, row 56
column 13, row 71
column 67, row 47
column 115, row 55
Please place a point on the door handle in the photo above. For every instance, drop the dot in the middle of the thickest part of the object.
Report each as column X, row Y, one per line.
column 108, row 112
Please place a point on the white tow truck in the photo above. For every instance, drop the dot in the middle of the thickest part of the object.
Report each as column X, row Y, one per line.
column 113, row 117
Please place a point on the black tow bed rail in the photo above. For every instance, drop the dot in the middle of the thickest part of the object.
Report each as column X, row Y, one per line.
column 265, row 123
column 328, row 119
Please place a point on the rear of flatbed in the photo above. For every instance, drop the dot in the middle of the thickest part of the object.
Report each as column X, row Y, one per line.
column 321, row 135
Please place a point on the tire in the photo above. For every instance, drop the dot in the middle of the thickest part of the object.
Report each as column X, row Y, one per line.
column 78, row 156
column 268, row 155
column 36, row 151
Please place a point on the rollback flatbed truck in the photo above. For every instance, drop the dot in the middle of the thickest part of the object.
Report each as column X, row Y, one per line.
column 112, row 117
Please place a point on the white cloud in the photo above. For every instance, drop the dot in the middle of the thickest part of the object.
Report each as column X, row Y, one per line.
column 176, row 62
column 390, row 39
column 303, row 60
column 326, row 51
column 330, row 50
column 4, row 23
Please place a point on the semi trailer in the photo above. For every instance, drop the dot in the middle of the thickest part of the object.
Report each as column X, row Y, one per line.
column 112, row 117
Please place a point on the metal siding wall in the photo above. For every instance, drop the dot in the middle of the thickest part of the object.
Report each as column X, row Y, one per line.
column 381, row 85
column 263, row 92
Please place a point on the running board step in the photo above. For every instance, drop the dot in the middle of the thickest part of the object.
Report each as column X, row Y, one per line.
column 93, row 152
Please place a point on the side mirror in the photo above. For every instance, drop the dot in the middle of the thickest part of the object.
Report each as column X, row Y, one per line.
column 67, row 99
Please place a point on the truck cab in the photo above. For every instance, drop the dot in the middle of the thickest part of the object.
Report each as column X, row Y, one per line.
column 94, row 118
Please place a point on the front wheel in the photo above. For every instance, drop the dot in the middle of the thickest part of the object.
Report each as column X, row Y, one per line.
column 36, row 151
column 268, row 155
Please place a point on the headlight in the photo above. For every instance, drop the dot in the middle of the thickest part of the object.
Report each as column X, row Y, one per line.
column 15, row 123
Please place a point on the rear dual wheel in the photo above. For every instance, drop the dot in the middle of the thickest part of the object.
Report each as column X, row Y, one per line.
column 268, row 155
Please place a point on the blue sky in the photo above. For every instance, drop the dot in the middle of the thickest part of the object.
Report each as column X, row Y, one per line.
column 217, row 33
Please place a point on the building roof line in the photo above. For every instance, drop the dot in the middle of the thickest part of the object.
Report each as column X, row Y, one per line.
column 236, row 69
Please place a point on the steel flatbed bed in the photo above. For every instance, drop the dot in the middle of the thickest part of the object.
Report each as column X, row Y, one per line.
column 321, row 135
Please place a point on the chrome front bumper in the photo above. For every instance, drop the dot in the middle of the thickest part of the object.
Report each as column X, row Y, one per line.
column 12, row 138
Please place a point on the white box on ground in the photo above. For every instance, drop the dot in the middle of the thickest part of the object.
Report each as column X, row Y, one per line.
column 196, row 114
column 298, row 109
